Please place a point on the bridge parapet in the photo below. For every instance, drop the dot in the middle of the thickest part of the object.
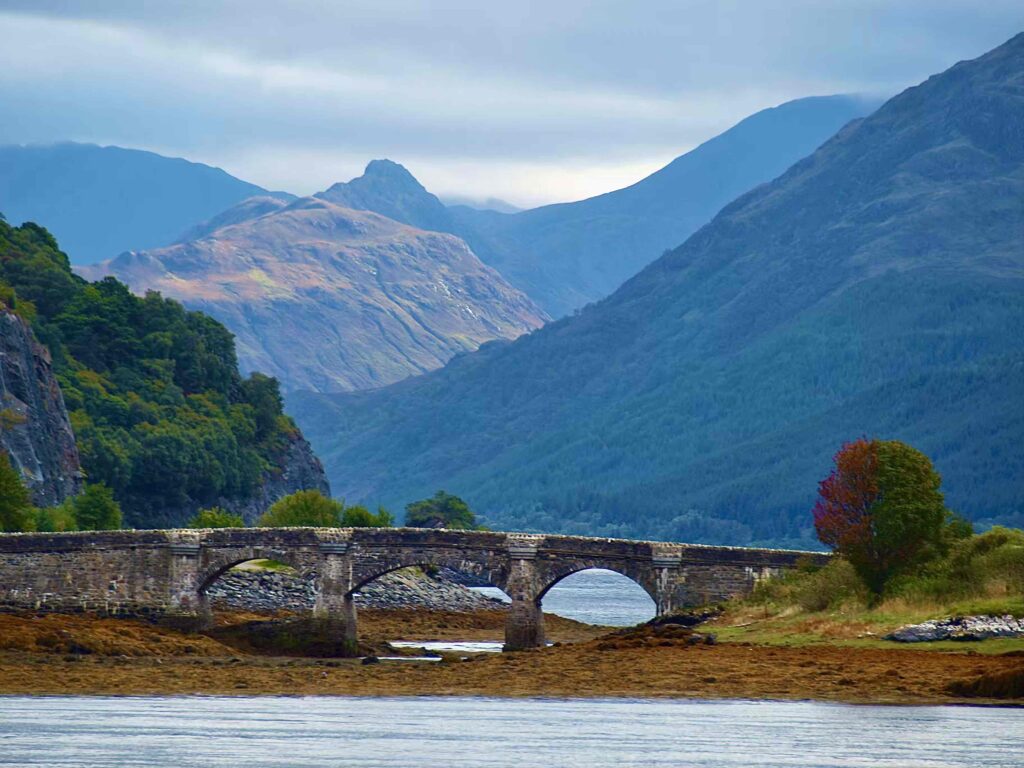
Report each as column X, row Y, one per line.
column 165, row 574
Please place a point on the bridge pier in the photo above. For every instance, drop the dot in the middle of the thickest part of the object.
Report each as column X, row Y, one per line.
column 524, row 625
column 187, row 607
column 670, row 587
column 335, row 610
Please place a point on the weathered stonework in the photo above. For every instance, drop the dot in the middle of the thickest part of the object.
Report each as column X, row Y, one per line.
column 165, row 574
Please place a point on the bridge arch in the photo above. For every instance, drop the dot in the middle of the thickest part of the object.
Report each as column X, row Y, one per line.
column 489, row 566
column 219, row 563
column 639, row 576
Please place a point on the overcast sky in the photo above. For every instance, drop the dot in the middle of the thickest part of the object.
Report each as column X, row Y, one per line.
column 528, row 101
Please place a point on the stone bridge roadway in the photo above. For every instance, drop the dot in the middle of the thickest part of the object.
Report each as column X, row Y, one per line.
column 165, row 574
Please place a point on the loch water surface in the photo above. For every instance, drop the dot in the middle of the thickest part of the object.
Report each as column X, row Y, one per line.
column 466, row 732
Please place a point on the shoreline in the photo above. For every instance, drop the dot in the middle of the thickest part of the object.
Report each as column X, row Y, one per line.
column 119, row 657
column 985, row 704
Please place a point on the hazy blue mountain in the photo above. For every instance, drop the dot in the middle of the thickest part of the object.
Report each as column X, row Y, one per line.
column 570, row 254
column 481, row 204
column 100, row 201
column 875, row 288
column 567, row 255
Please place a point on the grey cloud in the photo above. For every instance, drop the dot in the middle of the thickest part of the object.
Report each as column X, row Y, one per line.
column 567, row 85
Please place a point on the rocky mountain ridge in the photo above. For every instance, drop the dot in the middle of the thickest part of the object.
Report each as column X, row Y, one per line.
column 329, row 298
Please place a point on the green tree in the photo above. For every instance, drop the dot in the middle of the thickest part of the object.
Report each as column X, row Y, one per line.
column 303, row 508
column 15, row 501
column 96, row 509
column 215, row 517
column 442, row 510
column 56, row 519
column 361, row 517
column 882, row 510
column 160, row 412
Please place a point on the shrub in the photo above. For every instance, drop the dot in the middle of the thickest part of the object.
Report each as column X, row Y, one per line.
column 361, row 517
column 988, row 565
column 303, row 508
column 15, row 501
column 56, row 519
column 215, row 517
column 814, row 589
column 95, row 509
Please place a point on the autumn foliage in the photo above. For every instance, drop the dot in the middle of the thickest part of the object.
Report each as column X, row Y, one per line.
column 881, row 509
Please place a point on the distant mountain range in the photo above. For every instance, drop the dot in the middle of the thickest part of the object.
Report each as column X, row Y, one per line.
column 100, row 201
column 570, row 254
column 552, row 252
column 330, row 298
column 567, row 255
column 874, row 288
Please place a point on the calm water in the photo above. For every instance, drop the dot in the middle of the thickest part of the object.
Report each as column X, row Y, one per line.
column 488, row 733
column 595, row 596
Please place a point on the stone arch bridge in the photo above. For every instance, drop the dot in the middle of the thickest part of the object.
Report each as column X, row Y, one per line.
column 164, row 574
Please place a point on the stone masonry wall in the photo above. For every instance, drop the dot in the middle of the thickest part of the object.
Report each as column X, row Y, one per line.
column 167, row 573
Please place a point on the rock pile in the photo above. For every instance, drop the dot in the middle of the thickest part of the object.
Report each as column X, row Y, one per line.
column 265, row 590
column 959, row 628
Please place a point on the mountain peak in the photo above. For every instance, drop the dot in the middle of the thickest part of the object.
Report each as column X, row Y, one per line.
column 388, row 170
column 387, row 188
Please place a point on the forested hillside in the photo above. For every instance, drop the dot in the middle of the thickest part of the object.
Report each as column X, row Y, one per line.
column 158, row 408
column 876, row 288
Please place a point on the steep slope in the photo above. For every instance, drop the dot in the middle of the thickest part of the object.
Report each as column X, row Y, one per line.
column 100, row 201
column 159, row 411
column 567, row 255
column 877, row 287
column 35, row 431
column 328, row 298
column 570, row 254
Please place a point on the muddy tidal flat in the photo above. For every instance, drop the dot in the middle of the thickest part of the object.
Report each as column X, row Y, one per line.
column 77, row 655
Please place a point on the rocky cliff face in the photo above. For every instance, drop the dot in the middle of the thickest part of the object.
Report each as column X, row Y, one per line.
column 299, row 470
column 34, row 426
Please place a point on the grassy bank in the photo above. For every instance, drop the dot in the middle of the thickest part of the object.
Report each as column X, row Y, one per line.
column 979, row 575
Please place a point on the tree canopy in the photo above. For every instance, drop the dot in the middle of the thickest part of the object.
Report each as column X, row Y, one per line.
column 312, row 508
column 881, row 509
column 161, row 414
column 442, row 510
column 215, row 517
column 96, row 509
column 303, row 508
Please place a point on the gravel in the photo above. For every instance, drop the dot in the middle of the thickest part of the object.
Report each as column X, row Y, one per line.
column 262, row 590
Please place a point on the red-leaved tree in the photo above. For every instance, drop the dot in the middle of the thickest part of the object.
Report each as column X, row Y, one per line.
column 880, row 508
column 842, row 514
